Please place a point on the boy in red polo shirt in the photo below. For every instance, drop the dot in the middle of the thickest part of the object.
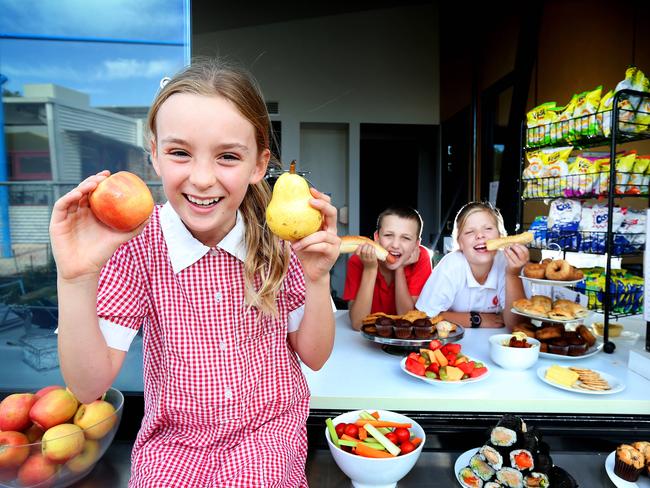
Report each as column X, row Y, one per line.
column 376, row 286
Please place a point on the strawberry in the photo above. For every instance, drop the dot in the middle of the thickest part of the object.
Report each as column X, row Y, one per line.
column 435, row 344
column 451, row 358
column 453, row 347
column 435, row 367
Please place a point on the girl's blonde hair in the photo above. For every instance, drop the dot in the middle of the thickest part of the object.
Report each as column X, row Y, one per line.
column 470, row 209
column 267, row 258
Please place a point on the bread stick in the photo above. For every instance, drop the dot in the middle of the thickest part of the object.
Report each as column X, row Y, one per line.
column 351, row 243
column 501, row 242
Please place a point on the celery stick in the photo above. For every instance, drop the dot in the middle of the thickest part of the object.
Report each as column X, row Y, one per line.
column 343, row 442
column 368, row 416
column 390, row 447
column 332, row 430
column 374, row 445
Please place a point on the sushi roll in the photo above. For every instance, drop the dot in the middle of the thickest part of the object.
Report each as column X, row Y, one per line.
column 492, row 484
column 491, row 456
column 513, row 422
column 468, row 479
column 521, row 459
column 530, row 442
column 503, row 437
column 482, row 469
column 511, row 478
column 536, row 480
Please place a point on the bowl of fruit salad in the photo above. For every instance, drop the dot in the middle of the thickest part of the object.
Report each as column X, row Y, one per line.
column 374, row 448
column 514, row 351
column 444, row 365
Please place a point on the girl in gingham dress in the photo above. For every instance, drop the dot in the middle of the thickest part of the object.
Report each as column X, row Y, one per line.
column 226, row 309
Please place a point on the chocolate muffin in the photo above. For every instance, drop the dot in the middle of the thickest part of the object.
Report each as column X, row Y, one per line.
column 384, row 326
column 629, row 463
column 403, row 329
column 558, row 346
column 422, row 328
column 577, row 346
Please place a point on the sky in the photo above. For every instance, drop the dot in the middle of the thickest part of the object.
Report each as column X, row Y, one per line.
column 111, row 74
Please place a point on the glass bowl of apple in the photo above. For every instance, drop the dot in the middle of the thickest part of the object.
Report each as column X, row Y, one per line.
column 49, row 439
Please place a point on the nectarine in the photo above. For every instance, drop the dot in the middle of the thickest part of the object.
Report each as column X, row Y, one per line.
column 121, row 201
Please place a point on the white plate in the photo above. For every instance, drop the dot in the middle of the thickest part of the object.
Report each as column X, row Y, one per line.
column 642, row 482
column 548, row 319
column 541, row 281
column 463, row 461
column 615, row 383
column 559, row 357
column 443, row 383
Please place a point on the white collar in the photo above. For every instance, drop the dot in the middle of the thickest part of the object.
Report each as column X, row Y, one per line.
column 490, row 282
column 185, row 250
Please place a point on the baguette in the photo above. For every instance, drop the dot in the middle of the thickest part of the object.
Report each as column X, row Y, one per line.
column 350, row 244
column 501, row 242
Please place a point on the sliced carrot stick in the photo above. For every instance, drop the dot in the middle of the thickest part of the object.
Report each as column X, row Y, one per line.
column 365, row 451
column 362, row 434
column 346, row 437
column 416, row 441
column 382, row 423
column 375, row 414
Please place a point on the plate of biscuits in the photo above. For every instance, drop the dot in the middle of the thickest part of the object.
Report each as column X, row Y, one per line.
column 556, row 342
column 543, row 308
column 556, row 272
column 413, row 328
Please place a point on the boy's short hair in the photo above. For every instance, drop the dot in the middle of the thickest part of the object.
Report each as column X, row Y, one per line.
column 404, row 213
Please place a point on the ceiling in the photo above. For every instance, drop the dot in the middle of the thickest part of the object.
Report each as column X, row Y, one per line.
column 209, row 16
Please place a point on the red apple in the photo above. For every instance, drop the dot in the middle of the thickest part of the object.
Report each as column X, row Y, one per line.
column 33, row 433
column 14, row 411
column 47, row 389
column 14, row 449
column 37, row 470
column 54, row 408
column 122, row 201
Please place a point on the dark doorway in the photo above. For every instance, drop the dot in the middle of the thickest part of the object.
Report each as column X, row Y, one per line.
column 394, row 158
column 456, row 153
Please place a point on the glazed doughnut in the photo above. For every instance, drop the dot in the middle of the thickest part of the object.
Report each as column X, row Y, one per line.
column 534, row 270
column 558, row 270
column 351, row 243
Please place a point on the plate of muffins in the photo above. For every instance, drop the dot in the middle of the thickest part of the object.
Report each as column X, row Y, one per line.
column 629, row 465
column 556, row 342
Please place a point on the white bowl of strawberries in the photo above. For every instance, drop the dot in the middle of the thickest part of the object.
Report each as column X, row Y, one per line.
column 374, row 448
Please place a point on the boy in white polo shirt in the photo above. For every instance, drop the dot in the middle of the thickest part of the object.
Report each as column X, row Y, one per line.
column 472, row 286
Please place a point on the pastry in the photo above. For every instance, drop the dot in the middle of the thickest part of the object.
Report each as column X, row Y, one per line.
column 586, row 334
column 422, row 328
column 527, row 329
column 349, row 244
column 384, row 326
column 629, row 463
column 444, row 328
column 403, row 329
column 548, row 332
column 503, row 242
column 542, row 301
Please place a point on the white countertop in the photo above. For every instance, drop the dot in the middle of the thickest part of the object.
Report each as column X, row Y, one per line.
column 359, row 374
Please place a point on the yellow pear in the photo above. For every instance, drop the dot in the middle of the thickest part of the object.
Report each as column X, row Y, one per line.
column 289, row 215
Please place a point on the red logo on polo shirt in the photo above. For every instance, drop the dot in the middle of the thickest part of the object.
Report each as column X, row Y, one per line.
column 495, row 300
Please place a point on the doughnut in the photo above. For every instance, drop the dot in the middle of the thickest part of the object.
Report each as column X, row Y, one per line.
column 576, row 274
column 558, row 270
column 534, row 270
column 350, row 244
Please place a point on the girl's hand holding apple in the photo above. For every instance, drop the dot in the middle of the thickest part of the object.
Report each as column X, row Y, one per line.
column 81, row 243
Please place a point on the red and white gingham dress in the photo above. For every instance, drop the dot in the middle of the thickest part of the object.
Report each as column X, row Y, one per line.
column 225, row 399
